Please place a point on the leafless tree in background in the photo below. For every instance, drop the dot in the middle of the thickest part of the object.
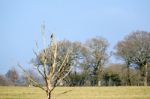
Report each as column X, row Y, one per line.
column 12, row 75
column 135, row 50
column 3, row 81
column 140, row 40
column 124, row 52
column 97, row 57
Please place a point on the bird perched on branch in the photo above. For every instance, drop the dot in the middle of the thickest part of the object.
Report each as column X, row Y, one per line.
column 52, row 35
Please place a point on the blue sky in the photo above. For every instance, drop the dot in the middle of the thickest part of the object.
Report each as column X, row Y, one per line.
column 76, row 20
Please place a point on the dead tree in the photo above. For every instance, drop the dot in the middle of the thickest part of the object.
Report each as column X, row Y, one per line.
column 48, row 65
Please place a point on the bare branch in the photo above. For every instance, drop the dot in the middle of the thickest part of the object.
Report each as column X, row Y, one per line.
column 36, row 84
column 65, row 75
column 55, row 55
column 62, row 65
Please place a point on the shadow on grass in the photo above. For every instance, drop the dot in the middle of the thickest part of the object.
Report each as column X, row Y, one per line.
column 65, row 92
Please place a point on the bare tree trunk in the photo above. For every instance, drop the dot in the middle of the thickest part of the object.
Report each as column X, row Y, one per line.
column 128, row 73
column 128, row 76
column 49, row 95
column 100, row 76
column 145, row 75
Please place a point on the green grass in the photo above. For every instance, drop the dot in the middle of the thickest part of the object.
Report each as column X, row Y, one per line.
column 76, row 93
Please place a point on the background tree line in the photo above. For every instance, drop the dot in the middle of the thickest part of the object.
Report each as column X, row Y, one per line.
column 90, row 63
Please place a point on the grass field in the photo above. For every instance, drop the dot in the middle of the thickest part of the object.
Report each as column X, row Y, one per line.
column 77, row 93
